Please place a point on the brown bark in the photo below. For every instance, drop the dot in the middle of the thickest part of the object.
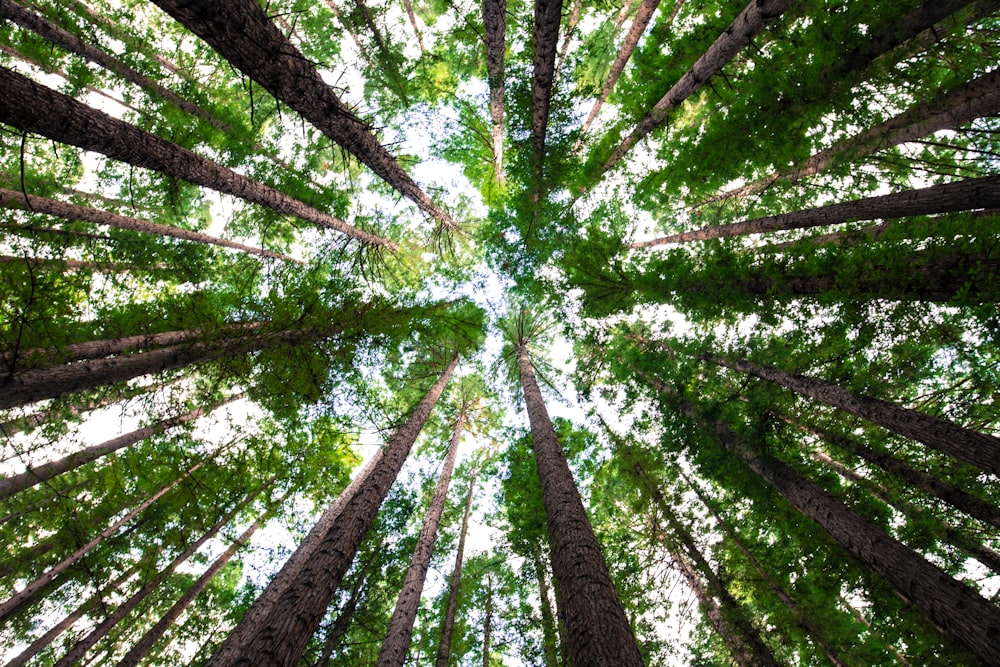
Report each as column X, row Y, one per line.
column 495, row 35
column 598, row 630
column 549, row 640
column 413, row 22
column 978, row 449
column 46, row 471
column 281, row 637
column 488, row 627
column 35, row 108
column 749, row 23
column 36, row 204
column 545, row 41
column 448, row 626
column 398, row 637
column 574, row 18
column 965, row 195
column 241, row 32
column 339, row 627
column 950, row 111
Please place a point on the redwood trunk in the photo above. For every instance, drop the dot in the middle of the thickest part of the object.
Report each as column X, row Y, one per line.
column 545, row 41
column 398, row 637
column 242, row 34
column 495, row 36
column 487, row 627
column 966, row 195
column 597, row 628
column 281, row 637
column 34, row 108
column 448, row 627
column 339, row 627
column 748, row 24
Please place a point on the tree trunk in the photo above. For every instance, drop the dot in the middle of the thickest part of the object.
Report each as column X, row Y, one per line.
column 950, row 111
column 34, row 420
column 281, row 637
column 444, row 648
column 242, row 34
column 966, row 195
column 599, row 632
column 860, row 618
column 413, row 22
column 75, row 655
column 36, row 204
column 549, row 638
column 979, row 449
column 339, row 627
column 31, row 107
column 398, row 637
column 488, row 627
column 574, row 19
column 495, row 36
column 386, row 60
column 545, row 41
column 748, row 24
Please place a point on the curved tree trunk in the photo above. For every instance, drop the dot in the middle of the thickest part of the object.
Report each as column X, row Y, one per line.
column 46, row 471
column 495, row 37
column 748, row 24
column 965, row 195
column 398, row 637
column 32, row 107
column 444, row 648
column 242, row 34
column 599, row 632
column 281, row 637
column 36, row 204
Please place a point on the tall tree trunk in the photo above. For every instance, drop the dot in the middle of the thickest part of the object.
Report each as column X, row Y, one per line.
column 949, row 111
column 338, row 628
column 549, row 637
column 599, row 632
column 748, row 24
column 448, row 627
column 806, row 623
column 46, row 471
column 145, row 644
column 386, row 60
column 408, row 5
column 75, row 655
column 860, row 618
column 32, row 107
column 398, row 637
column 242, row 34
column 495, row 37
column 36, row 204
column 966, row 195
column 281, row 637
column 545, row 41
column 951, row 605
column 487, row 626
column 32, row 590
column 979, row 449
column 574, row 19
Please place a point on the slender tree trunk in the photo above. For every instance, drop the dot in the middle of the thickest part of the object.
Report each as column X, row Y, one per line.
column 413, row 22
column 75, row 655
column 748, row 24
column 398, row 637
column 599, row 632
column 574, row 19
column 386, row 60
column 32, row 107
column 339, row 627
column 549, row 637
column 32, row 421
column 495, row 37
column 950, row 111
column 46, row 471
column 488, row 627
column 242, row 34
column 36, row 204
column 979, row 449
column 860, row 618
column 281, row 637
column 966, row 195
column 545, row 41
column 444, row 648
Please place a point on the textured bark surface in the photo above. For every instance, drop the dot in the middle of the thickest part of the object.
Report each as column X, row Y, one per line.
column 35, row 108
column 281, row 637
column 549, row 638
column 495, row 38
column 979, row 449
column 545, row 41
column 338, row 629
column 749, row 23
column 488, row 628
column 36, row 204
column 242, row 34
column 398, row 637
column 598, row 630
column 451, row 608
column 965, row 195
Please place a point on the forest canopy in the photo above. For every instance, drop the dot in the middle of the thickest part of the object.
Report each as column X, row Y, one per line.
column 565, row 333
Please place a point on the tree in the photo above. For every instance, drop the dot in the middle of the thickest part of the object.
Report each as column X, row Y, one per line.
column 448, row 625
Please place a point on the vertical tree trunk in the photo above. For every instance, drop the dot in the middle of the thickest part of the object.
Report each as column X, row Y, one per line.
column 281, row 637
column 487, row 626
column 413, row 22
column 32, row 107
column 545, row 41
column 242, row 34
column 46, row 471
column 549, row 637
column 495, row 37
column 599, row 632
column 339, row 627
column 444, row 648
column 398, row 637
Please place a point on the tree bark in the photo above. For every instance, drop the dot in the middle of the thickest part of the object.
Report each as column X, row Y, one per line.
column 966, row 195
column 444, row 648
column 487, row 627
column 549, row 637
column 281, row 637
column 599, row 632
column 398, row 637
column 748, row 24
column 339, row 627
column 574, row 19
column 495, row 36
column 242, row 34
column 413, row 22
column 36, row 204
column 32, row 107
column 545, row 41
